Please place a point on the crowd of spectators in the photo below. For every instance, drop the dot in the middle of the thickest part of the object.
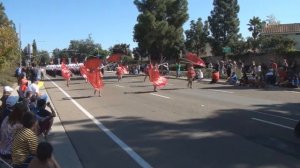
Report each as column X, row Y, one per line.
column 25, row 122
column 255, row 74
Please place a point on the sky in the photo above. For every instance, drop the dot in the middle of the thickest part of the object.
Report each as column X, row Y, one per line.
column 53, row 23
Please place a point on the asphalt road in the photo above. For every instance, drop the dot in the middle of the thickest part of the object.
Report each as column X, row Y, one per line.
column 209, row 126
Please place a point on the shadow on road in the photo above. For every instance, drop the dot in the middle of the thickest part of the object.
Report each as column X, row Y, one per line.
column 227, row 139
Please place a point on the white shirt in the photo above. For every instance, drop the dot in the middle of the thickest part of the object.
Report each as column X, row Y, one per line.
column 33, row 88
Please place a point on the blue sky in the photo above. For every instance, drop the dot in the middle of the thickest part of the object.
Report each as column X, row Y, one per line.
column 53, row 23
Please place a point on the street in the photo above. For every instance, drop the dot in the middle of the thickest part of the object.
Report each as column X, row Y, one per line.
column 210, row 126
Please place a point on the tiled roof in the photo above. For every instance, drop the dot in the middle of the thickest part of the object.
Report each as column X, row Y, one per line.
column 281, row 29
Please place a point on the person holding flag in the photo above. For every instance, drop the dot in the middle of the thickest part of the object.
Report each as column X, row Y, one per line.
column 119, row 72
column 93, row 73
column 66, row 73
column 192, row 59
column 155, row 78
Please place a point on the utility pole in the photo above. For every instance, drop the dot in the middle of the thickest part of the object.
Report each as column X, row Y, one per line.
column 20, row 43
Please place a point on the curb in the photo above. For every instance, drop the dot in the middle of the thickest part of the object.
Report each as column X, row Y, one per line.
column 64, row 151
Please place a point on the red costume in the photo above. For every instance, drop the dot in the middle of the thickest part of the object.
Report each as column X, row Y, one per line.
column 155, row 77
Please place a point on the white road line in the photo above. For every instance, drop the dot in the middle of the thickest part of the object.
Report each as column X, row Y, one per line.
column 117, row 140
column 221, row 91
column 160, row 96
column 274, row 116
column 272, row 123
column 292, row 91
column 120, row 86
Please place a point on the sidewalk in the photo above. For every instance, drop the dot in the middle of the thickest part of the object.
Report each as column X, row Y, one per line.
column 64, row 151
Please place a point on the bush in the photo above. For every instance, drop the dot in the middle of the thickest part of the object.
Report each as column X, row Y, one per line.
column 7, row 77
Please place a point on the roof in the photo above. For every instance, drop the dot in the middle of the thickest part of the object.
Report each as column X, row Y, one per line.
column 281, row 29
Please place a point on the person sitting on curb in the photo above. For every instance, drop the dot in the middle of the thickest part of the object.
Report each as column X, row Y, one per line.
column 44, row 157
column 44, row 117
column 215, row 76
column 11, row 124
column 36, row 95
column 7, row 90
column 232, row 79
column 10, row 104
column 25, row 142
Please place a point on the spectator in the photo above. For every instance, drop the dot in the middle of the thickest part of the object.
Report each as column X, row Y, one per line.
column 7, row 90
column 25, row 143
column 23, row 86
column 34, row 73
column 10, row 103
column 199, row 74
column 11, row 124
column 44, row 158
column 178, row 66
column 44, row 117
column 215, row 76
column 232, row 79
column 33, row 87
column 28, row 102
column 285, row 65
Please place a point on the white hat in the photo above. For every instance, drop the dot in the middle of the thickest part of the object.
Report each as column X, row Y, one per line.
column 8, row 89
column 11, row 100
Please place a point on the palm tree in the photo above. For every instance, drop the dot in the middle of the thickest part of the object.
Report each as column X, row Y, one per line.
column 255, row 26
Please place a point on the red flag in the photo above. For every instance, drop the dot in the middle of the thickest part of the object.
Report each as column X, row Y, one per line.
column 83, row 71
column 195, row 59
column 155, row 78
column 114, row 58
column 92, row 63
column 124, row 69
column 92, row 66
column 65, row 72
column 94, row 79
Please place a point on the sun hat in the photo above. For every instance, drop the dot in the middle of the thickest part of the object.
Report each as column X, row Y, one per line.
column 8, row 89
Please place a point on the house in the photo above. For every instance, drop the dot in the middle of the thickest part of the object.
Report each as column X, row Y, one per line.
column 291, row 31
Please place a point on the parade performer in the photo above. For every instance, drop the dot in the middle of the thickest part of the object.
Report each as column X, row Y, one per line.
column 119, row 72
column 65, row 73
column 190, row 76
column 94, row 75
column 192, row 59
column 83, row 72
column 155, row 78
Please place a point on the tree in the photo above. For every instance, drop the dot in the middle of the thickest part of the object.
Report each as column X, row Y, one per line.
column 34, row 52
column 42, row 58
column 159, row 25
column 121, row 48
column 277, row 44
column 271, row 20
column 83, row 48
column 224, row 24
column 196, row 36
column 9, row 43
column 255, row 26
